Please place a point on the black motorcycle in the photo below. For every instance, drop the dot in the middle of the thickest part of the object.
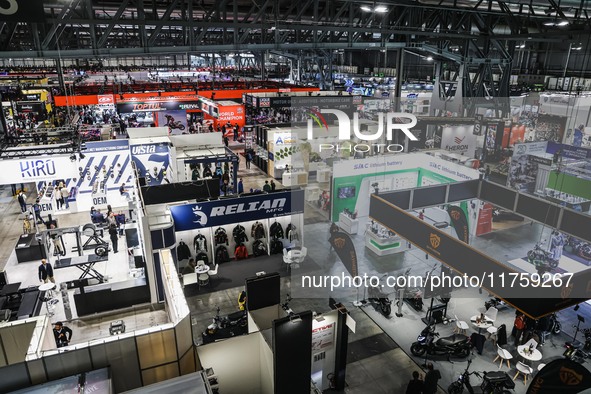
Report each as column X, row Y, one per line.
column 224, row 327
column 554, row 327
column 379, row 300
column 454, row 345
column 573, row 352
column 540, row 257
column 495, row 382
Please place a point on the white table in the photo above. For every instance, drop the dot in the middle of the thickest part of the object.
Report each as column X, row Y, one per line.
column 535, row 355
column 201, row 269
column 483, row 324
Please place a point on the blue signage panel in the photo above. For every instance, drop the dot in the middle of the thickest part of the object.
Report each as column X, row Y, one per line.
column 236, row 210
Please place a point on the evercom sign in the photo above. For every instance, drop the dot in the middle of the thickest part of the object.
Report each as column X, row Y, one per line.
column 393, row 121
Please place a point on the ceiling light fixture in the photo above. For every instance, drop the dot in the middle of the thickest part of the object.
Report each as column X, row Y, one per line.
column 429, row 58
column 549, row 23
column 380, row 9
column 365, row 8
column 562, row 23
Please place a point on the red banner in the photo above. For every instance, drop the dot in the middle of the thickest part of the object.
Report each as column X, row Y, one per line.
column 484, row 225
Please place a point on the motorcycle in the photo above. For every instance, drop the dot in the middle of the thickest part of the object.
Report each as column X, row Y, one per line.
column 574, row 353
column 453, row 345
column 540, row 257
column 224, row 327
column 555, row 327
column 379, row 300
column 170, row 122
column 587, row 332
column 495, row 302
column 494, row 382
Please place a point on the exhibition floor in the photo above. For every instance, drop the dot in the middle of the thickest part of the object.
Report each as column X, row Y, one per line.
column 116, row 269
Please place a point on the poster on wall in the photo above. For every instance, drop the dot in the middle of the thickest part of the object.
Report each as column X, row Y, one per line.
column 323, row 337
column 459, row 139
column 175, row 120
column 234, row 114
column 152, row 161
column 550, row 128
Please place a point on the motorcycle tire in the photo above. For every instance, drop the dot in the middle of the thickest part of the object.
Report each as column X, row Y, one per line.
column 557, row 328
column 531, row 256
column 181, row 127
column 455, row 388
column 386, row 310
column 553, row 263
column 417, row 349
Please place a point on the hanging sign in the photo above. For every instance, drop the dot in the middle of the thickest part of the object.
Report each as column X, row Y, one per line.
column 236, row 210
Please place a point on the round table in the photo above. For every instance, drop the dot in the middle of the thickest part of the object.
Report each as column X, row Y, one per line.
column 483, row 324
column 535, row 354
column 201, row 269
column 47, row 286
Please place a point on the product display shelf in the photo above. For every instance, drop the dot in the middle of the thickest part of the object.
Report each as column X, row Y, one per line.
column 383, row 246
column 350, row 226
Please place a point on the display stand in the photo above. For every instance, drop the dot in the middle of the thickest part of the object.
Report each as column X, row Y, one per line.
column 312, row 193
column 294, row 178
column 383, row 246
column 348, row 225
column 323, row 175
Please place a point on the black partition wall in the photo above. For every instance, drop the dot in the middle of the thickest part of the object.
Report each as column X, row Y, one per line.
column 389, row 210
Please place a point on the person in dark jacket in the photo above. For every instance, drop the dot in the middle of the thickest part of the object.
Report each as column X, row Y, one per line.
column 62, row 334
column 113, row 233
column 431, row 378
column 45, row 272
column 416, row 385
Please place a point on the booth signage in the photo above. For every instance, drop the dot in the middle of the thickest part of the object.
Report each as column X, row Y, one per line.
column 146, row 149
column 107, row 146
column 37, row 169
column 35, row 107
column 221, row 212
column 154, row 106
column 105, row 99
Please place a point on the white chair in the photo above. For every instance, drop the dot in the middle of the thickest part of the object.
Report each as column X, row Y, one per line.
column 491, row 313
column 541, row 366
column 214, row 271
column 531, row 342
column 523, row 369
column 285, row 252
column 492, row 333
column 304, row 253
column 504, row 355
column 461, row 326
column 288, row 261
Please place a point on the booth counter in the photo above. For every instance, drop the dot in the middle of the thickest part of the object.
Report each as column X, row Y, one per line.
column 298, row 178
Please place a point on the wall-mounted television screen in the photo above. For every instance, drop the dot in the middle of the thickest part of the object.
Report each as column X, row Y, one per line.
column 346, row 192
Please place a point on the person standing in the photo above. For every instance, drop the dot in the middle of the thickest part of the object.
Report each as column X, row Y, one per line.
column 273, row 186
column 518, row 327
column 236, row 130
column 416, row 385
column 22, row 201
column 45, row 272
column 65, row 195
column 227, row 141
column 37, row 210
column 62, row 334
column 114, row 236
column 240, row 186
column 431, row 378
column 248, row 159
column 266, row 187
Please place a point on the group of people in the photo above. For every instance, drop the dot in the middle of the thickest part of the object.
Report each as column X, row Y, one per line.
column 427, row 386
column 269, row 187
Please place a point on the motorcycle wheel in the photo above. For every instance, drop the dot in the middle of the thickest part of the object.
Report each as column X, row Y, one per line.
column 417, row 349
column 181, row 127
column 553, row 263
column 557, row 328
column 455, row 388
column 386, row 310
column 531, row 256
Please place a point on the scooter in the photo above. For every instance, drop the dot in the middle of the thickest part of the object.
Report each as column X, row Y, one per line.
column 494, row 382
column 224, row 327
column 454, row 345
column 379, row 300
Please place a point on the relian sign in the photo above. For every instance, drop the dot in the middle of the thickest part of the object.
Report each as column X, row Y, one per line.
column 269, row 206
column 391, row 119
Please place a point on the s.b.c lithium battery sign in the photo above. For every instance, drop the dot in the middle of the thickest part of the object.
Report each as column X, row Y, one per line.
column 22, row 11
